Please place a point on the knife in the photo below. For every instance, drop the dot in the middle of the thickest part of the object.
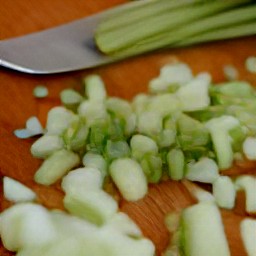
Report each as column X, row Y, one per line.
column 68, row 47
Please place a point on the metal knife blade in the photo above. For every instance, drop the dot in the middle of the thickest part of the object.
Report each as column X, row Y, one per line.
column 64, row 48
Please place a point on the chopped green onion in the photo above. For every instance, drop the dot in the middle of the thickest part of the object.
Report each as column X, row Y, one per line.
column 224, row 192
column 56, row 166
column 86, row 178
column 204, row 170
column 58, row 120
column 46, row 145
column 129, row 177
column 199, row 222
column 40, row 91
column 70, row 97
column 117, row 149
column 248, row 184
column 97, row 161
column 250, row 64
column 141, row 145
column 248, row 227
column 95, row 88
column 176, row 164
column 15, row 191
column 96, row 206
column 152, row 167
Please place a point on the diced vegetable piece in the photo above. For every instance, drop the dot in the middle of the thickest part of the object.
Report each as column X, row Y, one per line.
column 92, row 111
column 250, row 64
column 120, row 107
column 149, row 123
column 205, row 170
column 194, row 95
column 166, row 138
column 97, row 161
column 248, row 233
column 56, row 166
column 164, row 104
column 230, row 72
column 17, row 192
column 130, row 124
column 140, row 102
column 219, row 128
column 239, row 89
column 176, row 73
column 129, row 177
column 224, row 192
column 249, row 148
column 141, row 145
column 152, row 167
column 40, row 91
column 198, row 223
column 95, row 206
column 26, row 225
column 70, row 97
column 33, row 128
column 176, row 164
column 46, row 145
column 248, row 184
column 95, row 88
column 117, row 149
column 171, row 77
column 76, row 134
column 87, row 178
column 191, row 132
column 68, row 225
column 58, row 120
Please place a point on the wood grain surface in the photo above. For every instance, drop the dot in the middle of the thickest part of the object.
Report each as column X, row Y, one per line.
column 123, row 79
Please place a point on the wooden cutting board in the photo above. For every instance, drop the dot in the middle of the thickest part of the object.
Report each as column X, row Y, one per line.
column 123, row 79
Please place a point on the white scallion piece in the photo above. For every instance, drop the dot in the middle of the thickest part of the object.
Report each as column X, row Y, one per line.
column 248, row 184
column 40, row 91
column 249, row 148
column 92, row 111
column 119, row 107
column 230, row 72
column 141, row 145
column 149, row 123
column 58, row 120
column 70, row 97
column 56, row 166
column 87, row 178
column 224, row 192
column 95, row 206
column 194, row 95
column 26, row 225
column 46, row 145
column 176, row 73
column 95, row 88
column 204, row 170
column 33, row 128
column 250, row 64
column 129, row 177
column 15, row 191
column 22, row 133
column 248, row 234
column 200, row 222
